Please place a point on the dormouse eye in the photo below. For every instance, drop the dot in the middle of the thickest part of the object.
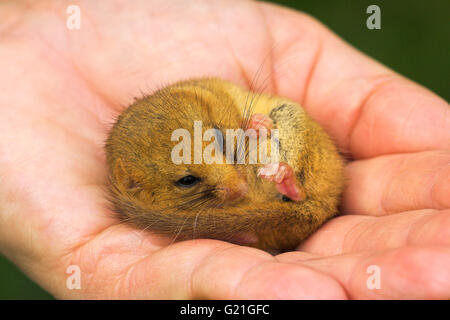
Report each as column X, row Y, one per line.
column 188, row 181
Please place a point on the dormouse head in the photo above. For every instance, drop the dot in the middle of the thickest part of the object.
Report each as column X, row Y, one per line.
column 170, row 151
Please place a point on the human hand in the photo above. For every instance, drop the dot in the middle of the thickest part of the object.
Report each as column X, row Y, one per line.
column 63, row 88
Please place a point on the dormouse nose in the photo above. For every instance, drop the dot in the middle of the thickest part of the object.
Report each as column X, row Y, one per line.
column 233, row 192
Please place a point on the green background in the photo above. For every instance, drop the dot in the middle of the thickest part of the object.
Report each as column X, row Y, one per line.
column 414, row 40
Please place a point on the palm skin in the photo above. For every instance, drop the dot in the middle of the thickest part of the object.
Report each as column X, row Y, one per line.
column 63, row 88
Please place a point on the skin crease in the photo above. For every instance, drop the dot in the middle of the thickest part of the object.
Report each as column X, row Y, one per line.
column 231, row 201
column 73, row 83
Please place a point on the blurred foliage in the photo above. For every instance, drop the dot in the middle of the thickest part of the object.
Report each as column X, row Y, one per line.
column 414, row 40
column 15, row 285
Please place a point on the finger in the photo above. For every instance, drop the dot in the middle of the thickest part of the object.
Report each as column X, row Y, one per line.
column 204, row 269
column 366, row 107
column 397, row 183
column 404, row 273
column 360, row 233
column 228, row 272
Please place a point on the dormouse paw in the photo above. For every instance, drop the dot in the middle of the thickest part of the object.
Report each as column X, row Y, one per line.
column 259, row 121
column 283, row 176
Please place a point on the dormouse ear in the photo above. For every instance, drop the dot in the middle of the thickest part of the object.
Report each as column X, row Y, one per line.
column 123, row 178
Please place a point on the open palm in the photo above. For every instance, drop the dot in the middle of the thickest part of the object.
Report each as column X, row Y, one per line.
column 62, row 89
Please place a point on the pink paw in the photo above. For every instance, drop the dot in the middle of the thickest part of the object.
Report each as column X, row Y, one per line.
column 283, row 176
column 259, row 121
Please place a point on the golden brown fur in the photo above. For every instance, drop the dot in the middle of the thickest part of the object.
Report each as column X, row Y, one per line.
column 143, row 175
